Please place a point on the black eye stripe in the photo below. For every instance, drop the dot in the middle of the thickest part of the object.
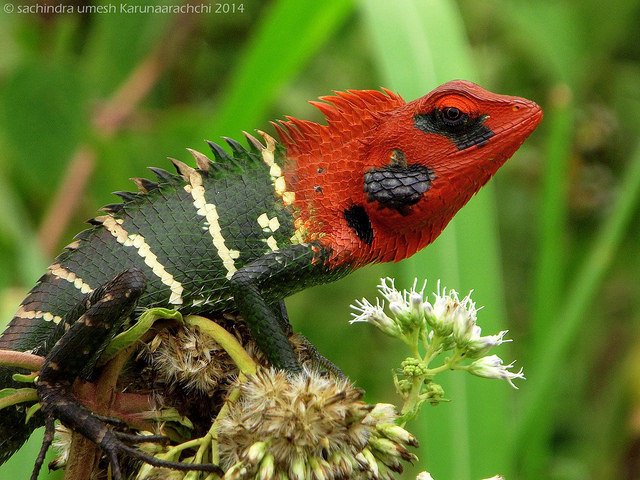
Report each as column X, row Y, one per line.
column 462, row 129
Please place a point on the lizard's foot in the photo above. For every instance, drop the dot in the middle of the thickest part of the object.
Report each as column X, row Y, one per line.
column 320, row 360
column 105, row 309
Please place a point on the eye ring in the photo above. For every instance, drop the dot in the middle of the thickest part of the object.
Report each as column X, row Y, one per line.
column 451, row 113
column 452, row 117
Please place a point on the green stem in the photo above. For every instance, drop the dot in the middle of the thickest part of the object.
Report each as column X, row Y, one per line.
column 432, row 351
column 411, row 401
column 227, row 341
column 174, row 452
column 29, row 361
column 211, row 438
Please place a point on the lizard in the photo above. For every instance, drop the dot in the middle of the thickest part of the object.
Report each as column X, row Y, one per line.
column 377, row 182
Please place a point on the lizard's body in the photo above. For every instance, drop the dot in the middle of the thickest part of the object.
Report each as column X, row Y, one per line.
column 376, row 184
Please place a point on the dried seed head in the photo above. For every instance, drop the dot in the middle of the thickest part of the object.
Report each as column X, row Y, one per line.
column 309, row 427
column 197, row 362
column 192, row 359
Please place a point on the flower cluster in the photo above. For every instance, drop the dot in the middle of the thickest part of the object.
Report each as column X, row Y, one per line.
column 448, row 324
column 310, row 427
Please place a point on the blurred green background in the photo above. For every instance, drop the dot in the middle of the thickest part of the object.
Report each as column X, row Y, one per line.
column 550, row 247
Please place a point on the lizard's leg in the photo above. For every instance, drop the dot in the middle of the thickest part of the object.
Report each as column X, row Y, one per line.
column 258, row 286
column 108, row 308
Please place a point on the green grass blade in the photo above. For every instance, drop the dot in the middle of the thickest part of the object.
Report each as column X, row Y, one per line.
column 285, row 40
column 551, row 256
column 429, row 49
column 16, row 231
column 537, row 413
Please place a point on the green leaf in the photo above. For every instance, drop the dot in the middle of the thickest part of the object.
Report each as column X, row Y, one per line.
column 137, row 330
column 12, row 396
column 43, row 115
column 17, row 377
column 286, row 38
column 167, row 415
column 534, row 427
column 32, row 410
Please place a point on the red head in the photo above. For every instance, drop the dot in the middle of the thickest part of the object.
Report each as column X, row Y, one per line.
column 384, row 177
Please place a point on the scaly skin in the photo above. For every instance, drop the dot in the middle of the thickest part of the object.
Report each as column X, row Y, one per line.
column 378, row 183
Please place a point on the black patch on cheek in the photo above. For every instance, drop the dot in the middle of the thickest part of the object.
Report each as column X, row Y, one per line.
column 396, row 186
column 466, row 131
column 358, row 220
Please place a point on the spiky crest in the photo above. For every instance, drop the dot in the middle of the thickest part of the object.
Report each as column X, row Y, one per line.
column 182, row 168
column 144, row 185
column 223, row 162
column 349, row 115
column 254, row 143
column 162, row 175
column 202, row 160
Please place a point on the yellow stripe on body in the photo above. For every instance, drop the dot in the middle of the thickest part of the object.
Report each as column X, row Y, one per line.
column 269, row 225
column 144, row 250
column 210, row 213
column 59, row 271
column 277, row 177
column 31, row 314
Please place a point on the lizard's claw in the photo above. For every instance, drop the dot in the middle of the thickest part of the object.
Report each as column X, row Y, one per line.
column 112, row 444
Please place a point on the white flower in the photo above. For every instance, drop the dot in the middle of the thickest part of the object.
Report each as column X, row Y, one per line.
column 389, row 291
column 438, row 315
column 398, row 305
column 464, row 319
column 478, row 345
column 374, row 315
column 492, row 367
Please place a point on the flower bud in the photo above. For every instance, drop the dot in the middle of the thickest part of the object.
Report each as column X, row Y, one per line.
column 397, row 434
column 256, row 452
column 298, row 470
column 382, row 412
column 463, row 326
column 492, row 367
column 413, row 367
column 267, row 468
column 481, row 345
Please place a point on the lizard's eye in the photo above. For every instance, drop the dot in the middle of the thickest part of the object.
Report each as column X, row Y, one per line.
column 463, row 129
column 451, row 113
column 452, row 117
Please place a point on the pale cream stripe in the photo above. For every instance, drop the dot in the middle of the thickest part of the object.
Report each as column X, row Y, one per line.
column 144, row 250
column 272, row 243
column 209, row 211
column 275, row 172
column 272, row 224
column 269, row 225
column 31, row 314
column 60, row 272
